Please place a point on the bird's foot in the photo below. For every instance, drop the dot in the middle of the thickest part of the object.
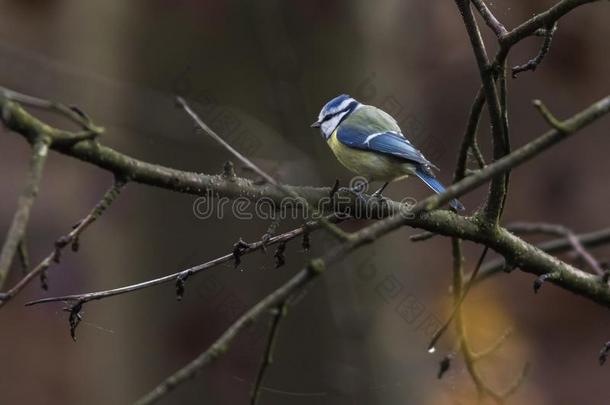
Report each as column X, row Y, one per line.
column 377, row 194
column 378, row 197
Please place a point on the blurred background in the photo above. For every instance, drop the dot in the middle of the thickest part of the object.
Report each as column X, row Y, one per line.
column 258, row 72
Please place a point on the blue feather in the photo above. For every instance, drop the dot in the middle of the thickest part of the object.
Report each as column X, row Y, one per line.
column 436, row 185
column 388, row 142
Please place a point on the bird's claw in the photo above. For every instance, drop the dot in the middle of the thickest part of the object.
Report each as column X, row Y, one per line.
column 377, row 196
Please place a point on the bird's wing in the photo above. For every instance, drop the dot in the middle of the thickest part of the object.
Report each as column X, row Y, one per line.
column 373, row 138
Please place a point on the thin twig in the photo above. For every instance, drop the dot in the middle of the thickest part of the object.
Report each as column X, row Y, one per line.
column 487, row 72
column 548, row 116
column 541, row 20
column 532, row 64
column 478, row 155
column 558, row 230
column 489, row 18
column 248, row 248
column 470, row 133
column 16, row 232
column 72, row 238
column 503, row 89
column 494, row 347
column 279, row 313
column 73, row 113
column 458, row 302
column 24, row 257
column 459, row 292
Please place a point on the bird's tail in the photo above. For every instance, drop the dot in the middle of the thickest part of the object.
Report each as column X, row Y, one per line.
column 436, row 185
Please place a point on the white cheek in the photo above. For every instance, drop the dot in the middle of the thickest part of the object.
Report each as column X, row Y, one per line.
column 329, row 126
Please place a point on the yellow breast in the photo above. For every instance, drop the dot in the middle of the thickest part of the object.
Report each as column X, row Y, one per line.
column 371, row 165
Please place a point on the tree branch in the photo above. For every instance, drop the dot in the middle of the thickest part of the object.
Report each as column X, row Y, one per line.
column 491, row 21
column 469, row 137
column 183, row 274
column 558, row 230
column 71, row 238
column 542, row 20
column 497, row 188
column 459, row 293
column 267, row 359
column 555, row 246
column 72, row 113
column 532, row 64
column 16, row 232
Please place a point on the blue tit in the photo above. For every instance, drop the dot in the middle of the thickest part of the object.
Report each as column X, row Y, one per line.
column 369, row 142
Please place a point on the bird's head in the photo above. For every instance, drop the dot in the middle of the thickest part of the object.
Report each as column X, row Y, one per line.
column 333, row 113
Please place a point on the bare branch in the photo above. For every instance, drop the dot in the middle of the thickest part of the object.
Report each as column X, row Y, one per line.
column 459, row 293
column 279, row 313
column 16, row 232
column 71, row 238
column 464, row 288
column 73, row 113
column 532, row 64
column 560, row 245
column 247, row 162
column 469, row 137
column 494, row 347
column 558, row 230
column 478, row 155
column 248, row 248
column 22, row 122
column 24, row 257
column 490, row 19
column 542, row 20
column 497, row 190
column 548, row 116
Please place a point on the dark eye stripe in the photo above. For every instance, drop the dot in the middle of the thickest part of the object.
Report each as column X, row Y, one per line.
column 348, row 107
column 327, row 117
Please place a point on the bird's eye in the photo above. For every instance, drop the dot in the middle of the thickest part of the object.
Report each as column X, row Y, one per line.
column 327, row 117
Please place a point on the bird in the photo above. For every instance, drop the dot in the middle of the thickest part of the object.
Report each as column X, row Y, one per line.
column 369, row 142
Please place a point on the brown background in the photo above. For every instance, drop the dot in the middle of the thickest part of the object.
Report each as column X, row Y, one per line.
column 259, row 72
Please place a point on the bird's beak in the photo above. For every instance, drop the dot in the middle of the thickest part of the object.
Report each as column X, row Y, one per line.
column 315, row 125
